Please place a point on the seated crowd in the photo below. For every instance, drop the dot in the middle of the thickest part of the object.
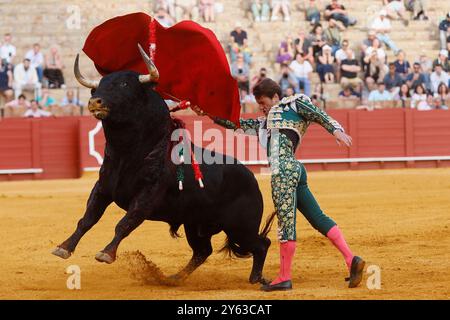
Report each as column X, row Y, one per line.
column 369, row 78
column 169, row 12
column 44, row 106
column 35, row 74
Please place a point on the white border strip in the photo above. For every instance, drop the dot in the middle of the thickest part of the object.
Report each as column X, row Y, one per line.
column 92, row 150
column 353, row 160
column 22, row 171
column 343, row 160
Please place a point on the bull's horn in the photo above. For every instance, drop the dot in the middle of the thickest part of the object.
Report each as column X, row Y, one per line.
column 82, row 80
column 153, row 75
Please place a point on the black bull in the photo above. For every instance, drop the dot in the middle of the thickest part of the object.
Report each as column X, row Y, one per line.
column 138, row 175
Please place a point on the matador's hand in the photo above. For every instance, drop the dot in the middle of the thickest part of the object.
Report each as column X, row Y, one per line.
column 198, row 111
column 342, row 137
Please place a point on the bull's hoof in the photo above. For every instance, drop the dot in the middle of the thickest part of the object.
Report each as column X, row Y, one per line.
column 62, row 253
column 258, row 278
column 104, row 257
column 176, row 279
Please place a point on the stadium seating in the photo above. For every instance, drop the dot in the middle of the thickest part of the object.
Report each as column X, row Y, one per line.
column 54, row 22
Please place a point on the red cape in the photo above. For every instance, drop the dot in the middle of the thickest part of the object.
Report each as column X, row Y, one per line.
column 191, row 61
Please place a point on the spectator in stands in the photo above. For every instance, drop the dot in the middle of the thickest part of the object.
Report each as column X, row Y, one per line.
column 349, row 71
column 437, row 77
column 402, row 66
column 403, row 95
column 375, row 67
column 303, row 45
column 429, row 104
column 167, row 5
column 317, row 40
column 281, row 6
column 20, row 103
column 418, row 8
column 312, row 10
column 7, row 50
column 257, row 78
column 416, row 77
column 239, row 43
column 382, row 27
column 26, row 78
column 333, row 36
column 443, row 93
column 46, row 101
column 287, row 80
column 448, row 39
column 443, row 31
column 426, row 66
column 419, row 97
column 380, row 94
column 53, row 69
column 35, row 111
column 238, row 35
column 396, row 10
column 246, row 98
column 164, row 18
column 376, row 50
column 341, row 54
column 37, row 60
column 439, row 104
column 241, row 72
column 289, row 92
column 6, row 81
column 368, row 41
column 186, row 10
column 260, row 10
column 375, row 73
column 337, row 12
column 70, row 104
column 442, row 59
column 349, row 93
column 285, row 51
column 325, row 67
column 393, row 80
column 426, row 105
column 302, row 70
column 207, row 10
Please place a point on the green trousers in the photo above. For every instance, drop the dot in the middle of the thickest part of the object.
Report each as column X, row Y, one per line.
column 290, row 192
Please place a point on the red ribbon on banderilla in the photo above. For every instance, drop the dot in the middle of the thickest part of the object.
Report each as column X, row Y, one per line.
column 183, row 105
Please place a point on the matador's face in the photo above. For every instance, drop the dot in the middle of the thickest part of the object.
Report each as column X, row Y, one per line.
column 265, row 103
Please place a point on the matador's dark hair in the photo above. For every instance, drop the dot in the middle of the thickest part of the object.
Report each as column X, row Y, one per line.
column 266, row 87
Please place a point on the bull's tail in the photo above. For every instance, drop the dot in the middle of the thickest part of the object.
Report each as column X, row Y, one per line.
column 232, row 248
column 174, row 230
column 268, row 225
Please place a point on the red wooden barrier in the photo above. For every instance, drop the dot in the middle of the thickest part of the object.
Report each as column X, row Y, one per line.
column 62, row 147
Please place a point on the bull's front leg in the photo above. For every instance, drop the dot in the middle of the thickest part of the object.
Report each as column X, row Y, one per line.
column 126, row 225
column 96, row 206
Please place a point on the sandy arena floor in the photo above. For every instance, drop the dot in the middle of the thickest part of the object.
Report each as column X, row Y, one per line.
column 398, row 220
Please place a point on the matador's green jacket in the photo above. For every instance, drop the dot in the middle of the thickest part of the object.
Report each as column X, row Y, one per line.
column 292, row 114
